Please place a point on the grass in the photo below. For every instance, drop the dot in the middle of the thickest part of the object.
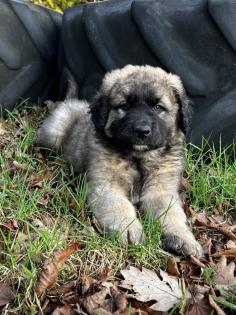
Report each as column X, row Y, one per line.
column 61, row 5
column 212, row 177
column 43, row 208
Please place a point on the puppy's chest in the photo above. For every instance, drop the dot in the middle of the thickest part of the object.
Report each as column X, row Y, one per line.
column 136, row 186
column 127, row 174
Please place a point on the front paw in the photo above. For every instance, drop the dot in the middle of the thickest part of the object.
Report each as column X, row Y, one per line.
column 131, row 230
column 183, row 244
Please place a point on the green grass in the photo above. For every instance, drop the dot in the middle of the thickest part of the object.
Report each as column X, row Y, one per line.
column 61, row 5
column 46, row 205
column 212, row 177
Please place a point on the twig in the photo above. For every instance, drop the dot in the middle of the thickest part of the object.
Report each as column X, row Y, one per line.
column 227, row 252
column 215, row 306
column 209, row 244
column 197, row 262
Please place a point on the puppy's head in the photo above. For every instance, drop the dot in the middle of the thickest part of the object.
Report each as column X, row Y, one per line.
column 141, row 108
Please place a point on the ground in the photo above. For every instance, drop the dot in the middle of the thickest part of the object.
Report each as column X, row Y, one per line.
column 43, row 209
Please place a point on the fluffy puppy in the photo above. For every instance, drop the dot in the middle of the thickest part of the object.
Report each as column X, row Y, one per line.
column 130, row 142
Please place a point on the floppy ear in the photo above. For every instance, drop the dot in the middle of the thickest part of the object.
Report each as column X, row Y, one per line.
column 185, row 110
column 99, row 111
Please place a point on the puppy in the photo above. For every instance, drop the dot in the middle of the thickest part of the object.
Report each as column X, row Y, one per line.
column 130, row 142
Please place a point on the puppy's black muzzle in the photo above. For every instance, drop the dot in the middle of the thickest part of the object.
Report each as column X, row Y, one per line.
column 140, row 126
column 142, row 129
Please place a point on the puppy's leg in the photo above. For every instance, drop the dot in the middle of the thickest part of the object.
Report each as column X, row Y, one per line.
column 109, row 187
column 161, row 197
column 116, row 213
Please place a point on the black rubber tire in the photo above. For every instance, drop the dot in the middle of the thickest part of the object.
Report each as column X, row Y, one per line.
column 29, row 37
column 194, row 39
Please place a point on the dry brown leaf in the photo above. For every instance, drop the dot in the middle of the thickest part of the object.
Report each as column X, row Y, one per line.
column 224, row 274
column 63, row 289
column 184, row 183
column 196, row 306
column 95, row 302
column 70, row 298
column 140, row 308
column 43, row 201
column 63, row 310
column 87, row 283
column 230, row 245
column 8, row 226
column 17, row 167
column 6, row 294
column 120, row 299
column 172, row 267
column 146, row 284
column 48, row 276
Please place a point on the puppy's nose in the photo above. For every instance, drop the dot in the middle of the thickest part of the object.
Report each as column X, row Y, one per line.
column 142, row 131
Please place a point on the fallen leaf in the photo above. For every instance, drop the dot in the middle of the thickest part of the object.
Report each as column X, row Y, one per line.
column 70, row 298
column 8, row 226
column 224, row 274
column 6, row 294
column 196, row 306
column 95, row 302
column 184, row 183
column 120, row 299
column 63, row 289
column 172, row 267
column 230, row 245
column 140, row 308
column 43, row 201
column 48, row 276
column 146, row 284
column 87, row 283
column 17, row 167
column 63, row 310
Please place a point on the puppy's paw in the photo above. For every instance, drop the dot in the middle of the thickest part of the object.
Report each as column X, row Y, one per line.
column 131, row 230
column 133, row 233
column 184, row 244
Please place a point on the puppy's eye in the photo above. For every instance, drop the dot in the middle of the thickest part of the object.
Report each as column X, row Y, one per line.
column 158, row 108
column 125, row 106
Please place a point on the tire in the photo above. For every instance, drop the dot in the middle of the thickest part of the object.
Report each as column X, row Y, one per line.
column 194, row 39
column 28, row 52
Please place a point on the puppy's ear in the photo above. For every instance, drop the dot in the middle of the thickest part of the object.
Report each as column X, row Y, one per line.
column 185, row 110
column 99, row 111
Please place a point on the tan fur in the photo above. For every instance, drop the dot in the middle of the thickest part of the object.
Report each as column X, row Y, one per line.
column 118, row 184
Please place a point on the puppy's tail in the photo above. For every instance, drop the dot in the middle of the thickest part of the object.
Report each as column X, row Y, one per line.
column 69, row 87
column 56, row 128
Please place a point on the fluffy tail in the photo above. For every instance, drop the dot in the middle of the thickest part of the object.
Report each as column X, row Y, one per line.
column 62, row 119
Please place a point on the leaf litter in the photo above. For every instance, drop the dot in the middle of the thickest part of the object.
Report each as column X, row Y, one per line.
column 48, row 275
column 6, row 294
